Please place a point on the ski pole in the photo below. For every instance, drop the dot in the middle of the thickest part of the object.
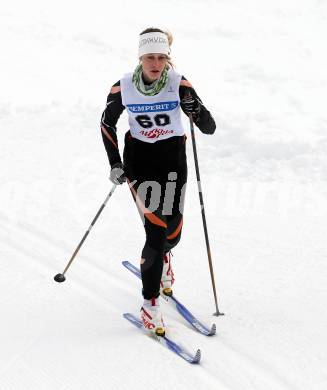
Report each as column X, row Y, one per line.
column 61, row 277
column 217, row 313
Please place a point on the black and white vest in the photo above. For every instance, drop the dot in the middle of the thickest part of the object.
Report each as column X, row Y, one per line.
column 153, row 118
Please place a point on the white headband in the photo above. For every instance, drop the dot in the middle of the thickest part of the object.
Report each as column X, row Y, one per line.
column 153, row 42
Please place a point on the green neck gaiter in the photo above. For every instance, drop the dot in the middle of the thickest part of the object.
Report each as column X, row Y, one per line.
column 155, row 87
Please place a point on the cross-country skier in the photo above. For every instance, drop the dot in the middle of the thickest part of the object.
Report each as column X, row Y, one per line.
column 154, row 157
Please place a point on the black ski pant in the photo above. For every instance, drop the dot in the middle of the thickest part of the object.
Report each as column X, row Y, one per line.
column 157, row 175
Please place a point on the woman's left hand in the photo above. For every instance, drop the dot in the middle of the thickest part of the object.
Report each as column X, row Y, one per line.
column 190, row 105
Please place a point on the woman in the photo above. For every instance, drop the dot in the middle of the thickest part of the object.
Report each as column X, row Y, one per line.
column 154, row 157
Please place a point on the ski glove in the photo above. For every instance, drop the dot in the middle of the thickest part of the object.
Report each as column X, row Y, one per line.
column 117, row 174
column 191, row 105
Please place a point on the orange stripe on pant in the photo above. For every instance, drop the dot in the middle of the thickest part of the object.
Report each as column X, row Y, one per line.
column 150, row 216
column 177, row 231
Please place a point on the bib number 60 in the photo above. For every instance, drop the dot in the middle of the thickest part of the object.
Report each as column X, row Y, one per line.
column 159, row 120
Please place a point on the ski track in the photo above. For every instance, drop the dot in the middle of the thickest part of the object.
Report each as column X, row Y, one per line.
column 37, row 252
column 30, row 242
column 37, row 257
column 251, row 371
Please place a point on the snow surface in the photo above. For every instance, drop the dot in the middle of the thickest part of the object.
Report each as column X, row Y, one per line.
column 260, row 67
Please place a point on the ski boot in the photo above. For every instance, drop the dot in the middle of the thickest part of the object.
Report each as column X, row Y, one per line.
column 167, row 278
column 151, row 316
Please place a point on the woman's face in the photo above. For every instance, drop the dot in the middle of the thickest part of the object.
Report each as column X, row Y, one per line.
column 153, row 66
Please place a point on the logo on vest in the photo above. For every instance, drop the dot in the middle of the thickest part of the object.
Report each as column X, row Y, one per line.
column 154, row 107
column 155, row 133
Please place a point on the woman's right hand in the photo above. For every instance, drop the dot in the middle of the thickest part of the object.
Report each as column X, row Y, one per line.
column 117, row 174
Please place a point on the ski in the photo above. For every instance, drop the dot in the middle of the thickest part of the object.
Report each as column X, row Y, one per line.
column 165, row 341
column 181, row 309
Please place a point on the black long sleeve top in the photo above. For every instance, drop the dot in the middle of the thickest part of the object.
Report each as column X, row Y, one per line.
column 114, row 107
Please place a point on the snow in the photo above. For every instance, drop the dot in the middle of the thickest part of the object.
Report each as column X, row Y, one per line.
column 260, row 67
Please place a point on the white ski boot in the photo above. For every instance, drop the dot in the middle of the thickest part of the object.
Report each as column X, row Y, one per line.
column 151, row 316
column 167, row 278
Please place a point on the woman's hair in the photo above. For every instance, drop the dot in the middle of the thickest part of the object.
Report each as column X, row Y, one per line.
column 170, row 41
